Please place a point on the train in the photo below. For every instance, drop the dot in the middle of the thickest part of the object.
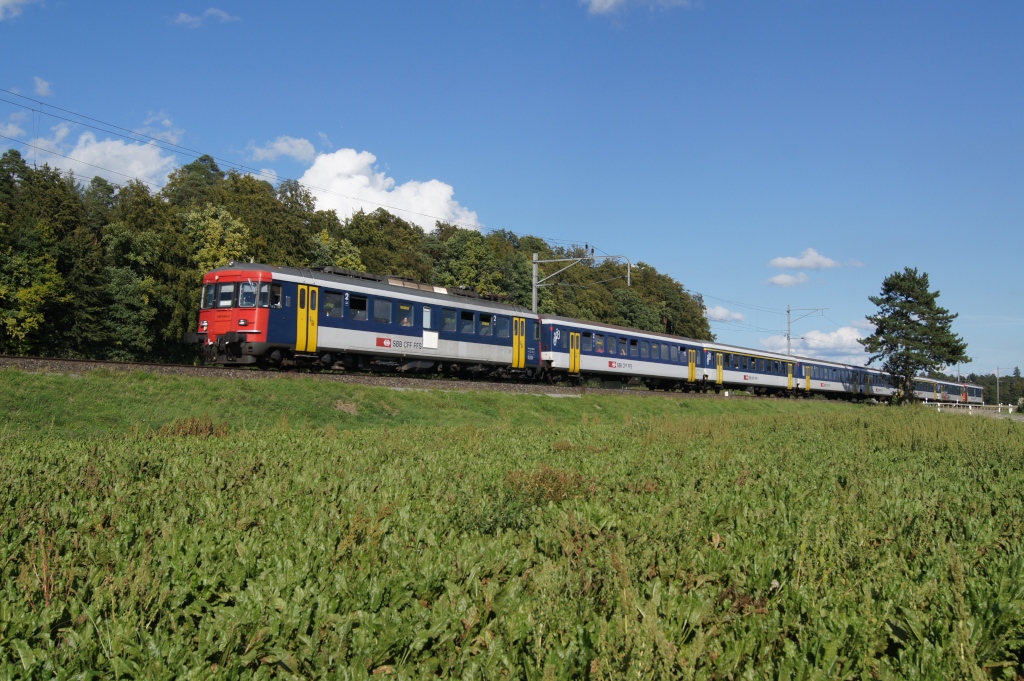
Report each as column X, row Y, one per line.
column 333, row 318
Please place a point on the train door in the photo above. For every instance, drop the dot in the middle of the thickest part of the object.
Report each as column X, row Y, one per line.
column 693, row 365
column 718, row 364
column 518, row 343
column 807, row 378
column 306, row 319
column 574, row 352
column 789, row 375
column 301, row 319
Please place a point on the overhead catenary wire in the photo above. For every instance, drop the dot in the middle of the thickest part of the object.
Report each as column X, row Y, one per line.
column 174, row 148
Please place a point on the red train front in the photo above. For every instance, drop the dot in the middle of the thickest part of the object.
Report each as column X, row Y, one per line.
column 234, row 315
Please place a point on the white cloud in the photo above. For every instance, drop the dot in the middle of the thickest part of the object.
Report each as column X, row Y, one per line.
column 190, row 21
column 602, row 6
column 43, row 88
column 609, row 6
column 113, row 159
column 838, row 346
column 347, row 181
column 160, row 126
column 722, row 314
column 808, row 260
column 298, row 148
column 326, row 140
column 266, row 175
column 12, row 8
column 788, row 280
column 12, row 129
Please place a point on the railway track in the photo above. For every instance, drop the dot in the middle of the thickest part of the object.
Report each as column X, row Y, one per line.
column 73, row 366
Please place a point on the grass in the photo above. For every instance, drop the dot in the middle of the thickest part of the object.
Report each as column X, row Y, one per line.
column 99, row 403
column 499, row 536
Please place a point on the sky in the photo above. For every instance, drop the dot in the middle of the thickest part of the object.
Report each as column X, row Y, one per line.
column 770, row 154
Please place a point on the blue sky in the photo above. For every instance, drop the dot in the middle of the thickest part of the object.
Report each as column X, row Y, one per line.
column 764, row 154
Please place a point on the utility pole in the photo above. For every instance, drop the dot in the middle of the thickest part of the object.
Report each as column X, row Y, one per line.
column 809, row 311
column 997, row 386
column 537, row 283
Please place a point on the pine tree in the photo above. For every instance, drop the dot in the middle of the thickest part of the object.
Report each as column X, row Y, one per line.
column 913, row 334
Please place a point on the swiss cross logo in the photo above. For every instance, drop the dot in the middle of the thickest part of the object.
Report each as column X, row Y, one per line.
column 383, row 342
column 746, row 378
column 611, row 364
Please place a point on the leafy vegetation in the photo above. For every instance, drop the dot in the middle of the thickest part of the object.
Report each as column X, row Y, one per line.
column 600, row 537
column 114, row 272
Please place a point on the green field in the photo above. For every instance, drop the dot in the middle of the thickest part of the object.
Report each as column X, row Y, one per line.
column 308, row 528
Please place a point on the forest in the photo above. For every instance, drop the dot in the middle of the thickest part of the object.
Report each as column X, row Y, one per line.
column 104, row 271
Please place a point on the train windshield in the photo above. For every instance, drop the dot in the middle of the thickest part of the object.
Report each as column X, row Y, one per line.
column 247, row 294
column 225, row 295
column 206, row 302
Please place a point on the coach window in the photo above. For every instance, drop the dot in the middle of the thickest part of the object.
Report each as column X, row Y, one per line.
column 536, row 332
column 623, row 347
column 276, row 299
column 674, row 353
column 586, row 342
column 634, row 348
column 598, row 343
column 426, row 317
column 357, row 308
column 655, row 351
column 382, row 310
column 333, row 304
column 225, row 295
column 448, row 318
column 405, row 314
column 486, row 325
column 645, row 349
column 468, row 324
column 503, row 327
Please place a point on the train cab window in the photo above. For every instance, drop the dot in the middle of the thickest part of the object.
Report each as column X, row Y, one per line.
column 645, row 349
column 246, row 294
column 357, row 308
column 623, row 347
column 448, row 318
column 382, row 310
column 634, row 349
column 276, row 299
column 674, row 353
column 598, row 343
column 426, row 317
column 206, row 302
column 334, row 304
column 486, row 325
column 586, row 342
column 468, row 322
column 562, row 339
column 655, row 351
column 225, row 295
column 406, row 314
column 264, row 297
column 504, row 327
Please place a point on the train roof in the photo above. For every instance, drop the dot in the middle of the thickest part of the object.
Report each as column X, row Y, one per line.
column 393, row 284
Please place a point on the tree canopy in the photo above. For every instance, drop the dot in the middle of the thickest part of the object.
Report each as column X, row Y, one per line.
column 913, row 335
column 104, row 271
